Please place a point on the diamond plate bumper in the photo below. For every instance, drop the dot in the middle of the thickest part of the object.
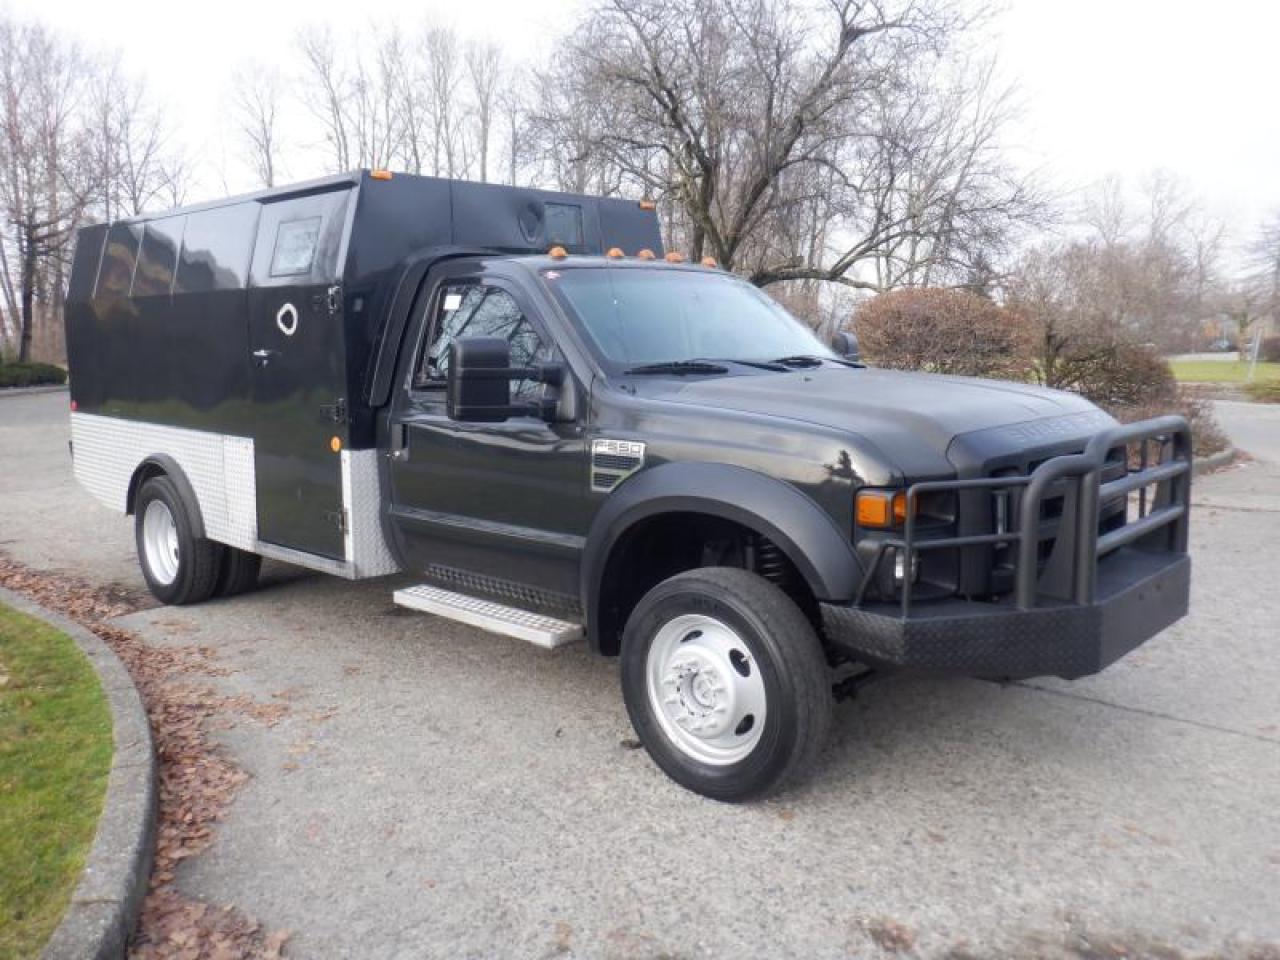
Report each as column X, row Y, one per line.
column 1138, row 594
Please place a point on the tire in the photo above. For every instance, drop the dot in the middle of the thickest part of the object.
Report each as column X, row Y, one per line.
column 238, row 573
column 179, row 567
column 704, row 651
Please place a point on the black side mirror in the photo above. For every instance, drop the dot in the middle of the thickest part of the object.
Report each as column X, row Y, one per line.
column 479, row 384
column 845, row 343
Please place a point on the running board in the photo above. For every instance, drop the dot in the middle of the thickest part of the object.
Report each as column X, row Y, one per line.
column 509, row 621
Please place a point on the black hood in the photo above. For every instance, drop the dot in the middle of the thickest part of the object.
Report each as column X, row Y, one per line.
column 911, row 418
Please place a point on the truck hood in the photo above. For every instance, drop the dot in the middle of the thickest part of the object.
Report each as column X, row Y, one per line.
column 910, row 418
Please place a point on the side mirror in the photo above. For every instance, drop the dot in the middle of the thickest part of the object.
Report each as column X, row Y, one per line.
column 845, row 344
column 479, row 382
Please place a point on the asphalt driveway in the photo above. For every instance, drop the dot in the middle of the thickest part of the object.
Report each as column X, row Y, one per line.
column 433, row 791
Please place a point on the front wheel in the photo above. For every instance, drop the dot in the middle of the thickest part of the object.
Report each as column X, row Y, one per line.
column 725, row 682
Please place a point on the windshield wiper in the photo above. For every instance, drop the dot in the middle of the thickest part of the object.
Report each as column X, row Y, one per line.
column 812, row 360
column 679, row 367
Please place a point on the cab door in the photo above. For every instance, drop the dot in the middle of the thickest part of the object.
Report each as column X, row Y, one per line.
column 493, row 504
column 298, row 382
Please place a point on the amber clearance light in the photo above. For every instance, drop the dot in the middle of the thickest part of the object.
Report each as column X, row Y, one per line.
column 881, row 508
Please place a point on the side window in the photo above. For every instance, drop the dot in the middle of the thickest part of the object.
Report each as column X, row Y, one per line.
column 295, row 247
column 116, row 274
column 215, row 249
column 154, row 275
column 474, row 310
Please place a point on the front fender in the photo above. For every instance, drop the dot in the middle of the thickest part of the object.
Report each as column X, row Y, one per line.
column 792, row 521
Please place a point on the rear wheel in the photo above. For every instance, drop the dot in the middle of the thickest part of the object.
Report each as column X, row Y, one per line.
column 239, row 572
column 726, row 683
column 179, row 567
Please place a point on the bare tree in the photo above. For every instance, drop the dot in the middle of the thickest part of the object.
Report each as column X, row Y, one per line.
column 256, row 100
column 45, row 177
column 130, row 144
column 484, row 73
column 326, row 93
column 443, row 76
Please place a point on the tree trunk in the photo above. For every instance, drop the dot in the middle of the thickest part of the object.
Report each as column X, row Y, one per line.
column 28, row 254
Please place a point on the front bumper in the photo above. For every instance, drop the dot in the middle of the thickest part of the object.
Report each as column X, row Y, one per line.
column 1138, row 595
column 1096, row 595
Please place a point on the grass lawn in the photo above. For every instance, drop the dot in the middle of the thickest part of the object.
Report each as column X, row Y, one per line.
column 1221, row 371
column 55, row 753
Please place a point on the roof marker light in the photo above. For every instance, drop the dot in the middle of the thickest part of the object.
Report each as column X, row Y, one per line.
column 709, row 262
column 615, row 253
column 557, row 253
column 674, row 257
column 380, row 174
column 645, row 254
column 648, row 205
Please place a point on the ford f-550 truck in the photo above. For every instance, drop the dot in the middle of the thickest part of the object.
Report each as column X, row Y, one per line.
column 551, row 430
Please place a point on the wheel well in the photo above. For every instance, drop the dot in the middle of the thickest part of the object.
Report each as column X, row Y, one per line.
column 145, row 472
column 661, row 546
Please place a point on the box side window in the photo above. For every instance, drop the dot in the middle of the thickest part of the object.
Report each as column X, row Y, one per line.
column 295, row 247
column 84, row 266
column 564, row 224
column 116, row 275
column 159, row 257
column 216, row 248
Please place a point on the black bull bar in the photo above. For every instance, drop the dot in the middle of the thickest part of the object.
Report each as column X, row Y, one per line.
column 1059, row 619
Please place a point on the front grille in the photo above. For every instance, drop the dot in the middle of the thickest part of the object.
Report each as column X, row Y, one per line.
column 1053, row 507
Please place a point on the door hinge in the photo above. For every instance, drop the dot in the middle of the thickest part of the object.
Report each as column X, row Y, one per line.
column 339, row 519
column 336, row 411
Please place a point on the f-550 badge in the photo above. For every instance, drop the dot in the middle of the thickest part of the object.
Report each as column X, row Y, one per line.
column 612, row 461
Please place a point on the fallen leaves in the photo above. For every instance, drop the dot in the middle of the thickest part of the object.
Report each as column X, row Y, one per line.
column 197, row 781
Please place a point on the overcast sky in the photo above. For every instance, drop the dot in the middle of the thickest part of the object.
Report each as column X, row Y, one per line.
column 1107, row 86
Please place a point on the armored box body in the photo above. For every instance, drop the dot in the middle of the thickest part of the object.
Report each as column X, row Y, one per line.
column 249, row 332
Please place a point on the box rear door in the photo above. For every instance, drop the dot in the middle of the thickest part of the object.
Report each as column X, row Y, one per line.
column 296, row 339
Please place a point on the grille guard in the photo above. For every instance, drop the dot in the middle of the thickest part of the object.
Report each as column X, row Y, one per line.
column 1162, row 528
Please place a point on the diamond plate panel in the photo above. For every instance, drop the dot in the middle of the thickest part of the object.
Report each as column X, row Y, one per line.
column 363, row 540
column 107, row 450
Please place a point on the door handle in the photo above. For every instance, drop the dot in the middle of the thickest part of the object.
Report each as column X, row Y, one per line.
column 263, row 357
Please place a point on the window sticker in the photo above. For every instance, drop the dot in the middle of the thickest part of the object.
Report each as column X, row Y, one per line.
column 452, row 301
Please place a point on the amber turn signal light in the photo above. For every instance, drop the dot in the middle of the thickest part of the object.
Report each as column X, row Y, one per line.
column 881, row 508
column 335, row 444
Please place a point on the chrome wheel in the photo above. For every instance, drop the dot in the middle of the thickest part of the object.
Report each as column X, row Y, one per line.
column 705, row 689
column 160, row 541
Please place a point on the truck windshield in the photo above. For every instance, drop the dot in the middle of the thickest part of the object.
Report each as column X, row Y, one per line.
column 636, row 316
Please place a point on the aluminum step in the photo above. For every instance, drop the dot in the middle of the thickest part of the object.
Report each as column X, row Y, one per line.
column 495, row 617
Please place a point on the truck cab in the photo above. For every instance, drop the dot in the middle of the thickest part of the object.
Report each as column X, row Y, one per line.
column 593, row 440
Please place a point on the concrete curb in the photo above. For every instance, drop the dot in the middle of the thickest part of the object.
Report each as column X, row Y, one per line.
column 105, row 904
column 28, row 391
column 1213, row 461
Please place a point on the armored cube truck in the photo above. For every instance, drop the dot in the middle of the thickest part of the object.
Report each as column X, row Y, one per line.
column 513, row 400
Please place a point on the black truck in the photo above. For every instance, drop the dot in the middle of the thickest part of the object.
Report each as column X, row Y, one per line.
column 554, row 430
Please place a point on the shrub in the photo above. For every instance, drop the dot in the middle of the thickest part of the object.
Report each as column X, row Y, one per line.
column 30, row 374
column 943, row 331
column 1126, row 375
column 1269, row 350
column 1263, row 391
column 1206, row 435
